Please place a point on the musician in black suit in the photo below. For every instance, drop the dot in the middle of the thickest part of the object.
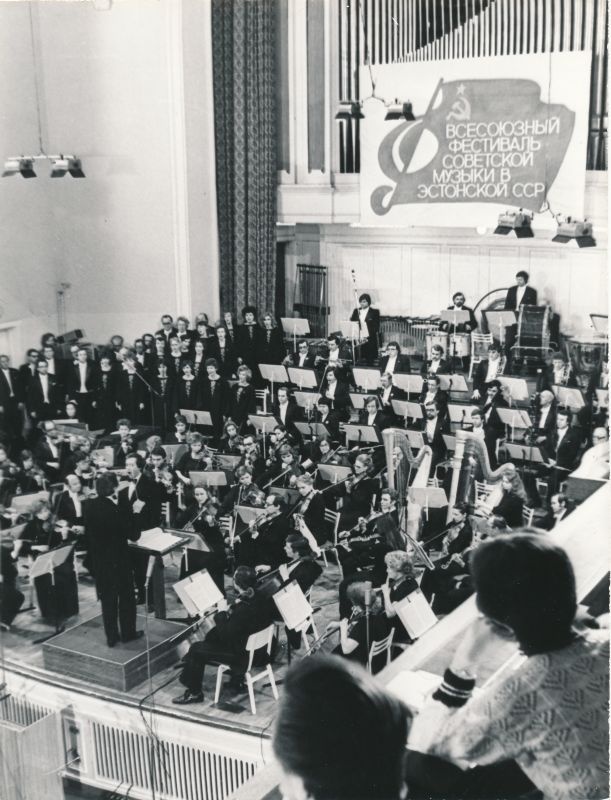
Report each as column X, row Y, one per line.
column 81, row 382
column 262, row 545
column 287, row 412
column 50, row 451
column 545, row 420
column 11, row 599
column 494, row 427
column 521, row 294
column 487, row 370
column 336, row 392
column 558, row 373
column 200, row 516
column 307, row 570
column 566, row 448
column 270, row 345
column 226, row 642
column 326, row 417
column 433, row 428
column 132, row 393
column 302, row 359
column 105, row 393
column 431, row 393
column 167, row 331
column 11, row 399
column 27, row 371
column 43, row 398
column 458, row 304
column 371, row 414
column 437, row 364
column 242, row 399
column 337, row 355
column 311, row 511
column 394, row 360
column 173, row 361
column 248, row 338
column 109, row 528
column 368, row 319
column 386, row 394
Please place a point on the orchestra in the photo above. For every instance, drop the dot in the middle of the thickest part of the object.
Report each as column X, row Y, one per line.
column 111, row 437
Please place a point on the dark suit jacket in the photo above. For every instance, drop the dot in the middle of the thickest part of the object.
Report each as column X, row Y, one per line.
column 26, row 373
column 4, row 387
column 314, row 517
column 306, row 573
column 67, row 510
column 436, row 443
column 380, row 421
column 510, row 509
column 444, row 368
column 131, row 397
column 529, row 298
column 402, row 365
column 34, row 398
column 271, row 352
column 479, row 377
column 494, row 423
column 231, row 631
column 73, row 379
column 308, row 362
column 567, row 454
column 152, row 495
column 395, row 394
column 108, row 530
column 294, row 414
column 341, row 402
column 546, row 379
column 373, row 323
column 461, row 325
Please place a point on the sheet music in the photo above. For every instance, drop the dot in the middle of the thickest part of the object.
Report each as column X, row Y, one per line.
column 416, row 614
column 202, row 591
column 157, row 540
column 293, row 606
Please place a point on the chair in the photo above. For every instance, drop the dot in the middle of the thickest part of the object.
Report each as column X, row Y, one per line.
column 479, row 349
column 261, row 395
column 255, row 642
column 332, row 517
column 376, row 648
column 482, row 491
column 528, row 515
column 307, row 626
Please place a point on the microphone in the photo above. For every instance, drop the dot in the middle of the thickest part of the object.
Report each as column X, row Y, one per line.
column 368, row 590
column 149, row 570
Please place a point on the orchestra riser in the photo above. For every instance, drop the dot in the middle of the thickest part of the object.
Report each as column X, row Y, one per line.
column 81, row 652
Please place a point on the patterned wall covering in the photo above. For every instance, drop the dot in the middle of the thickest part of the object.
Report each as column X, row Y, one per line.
column 243, row 53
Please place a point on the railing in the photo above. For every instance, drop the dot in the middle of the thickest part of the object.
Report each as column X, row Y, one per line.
column 390, row 31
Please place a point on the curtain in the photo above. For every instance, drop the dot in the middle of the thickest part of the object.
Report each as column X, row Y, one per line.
column 243, row 60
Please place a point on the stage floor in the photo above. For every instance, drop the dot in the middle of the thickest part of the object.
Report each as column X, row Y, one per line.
column 25, row 657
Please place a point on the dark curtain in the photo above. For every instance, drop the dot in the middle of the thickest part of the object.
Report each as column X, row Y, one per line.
column 243, row 57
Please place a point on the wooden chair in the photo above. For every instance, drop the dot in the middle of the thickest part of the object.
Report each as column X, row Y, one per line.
column 256, row 641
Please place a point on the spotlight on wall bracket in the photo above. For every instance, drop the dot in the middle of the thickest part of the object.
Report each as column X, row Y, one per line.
column 19, row 166
column 66, row 164
column 573, row 231
column 349, row 109
column 518, row 222
column 399, row 110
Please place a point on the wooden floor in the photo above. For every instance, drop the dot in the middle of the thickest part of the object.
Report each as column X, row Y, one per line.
column 24, row 656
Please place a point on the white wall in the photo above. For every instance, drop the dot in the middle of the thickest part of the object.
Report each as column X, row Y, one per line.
column 112, row 90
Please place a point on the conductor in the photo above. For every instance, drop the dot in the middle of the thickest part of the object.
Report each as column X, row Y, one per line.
column 109, row 529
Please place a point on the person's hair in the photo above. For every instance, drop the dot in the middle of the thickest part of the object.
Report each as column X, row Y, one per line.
column 432, row 405
column 38, row 506
column 123, row 421
column 45, row 338
column 153, row 441
column 458, row 294
column 182, row 318
column 394, row 344
column 517, row 487
column 244, row 370
column 32, row 351
column 242, row 470
column 303, row 341
column 433, row 377
column 137, row 458
column 392, row 493
column 249, row 310
column 523, row 274
column 333, row 338
column 286, row 449
column 25, row 455
column 527, row 582
column 561, row 498
column 366, row 460
column 400, row 561
column 493, row 348
column 494, row 384
column 280, row 427
column 370, row 399
column 340, row 732
column 564, row 412
column 366, row 297
column 158, row 451
column 438, row 347
column 185, row 364
column 228, row 424
column 357, row 594
column 477, row 411
column 105, row 484
column 193, row 437
column 246, row 579
column 180, row 418
column 322, row 401
column 299, row 544
column 211, row 362
column 306, row 478
column 166, row 316
column 462, row 507
column 42, row 361
column 270, row 315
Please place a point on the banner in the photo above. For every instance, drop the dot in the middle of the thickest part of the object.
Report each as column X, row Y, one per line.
column 490, row 134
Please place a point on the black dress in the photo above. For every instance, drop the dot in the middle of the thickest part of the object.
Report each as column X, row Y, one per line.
column 212, row 557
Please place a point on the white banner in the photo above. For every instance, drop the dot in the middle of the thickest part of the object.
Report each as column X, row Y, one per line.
column 490, row 134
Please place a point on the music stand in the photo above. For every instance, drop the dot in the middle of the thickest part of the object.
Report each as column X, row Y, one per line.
column 569, row 397
column 366, row 378
column 208, row 479
column 21, row 502
column 196, row 417
column 274, row 373
column 198, row 593
column 524, row 452
column 248, row 513
column 303, row 377
column 158, row 543
column 227, row 462
column 334, row 473
column 500, row 320
column 458, row 413
column 294, row 609
column 454, row 316
column 107, row 454
column 428, row 497
column 450, row 442
column 412, row 384
column 295, row 326
column 313, row 429
column 453, row 383
column 514, row 418
column 415, row 613
column 603, row 397
column 415, row 439
column 290, row 496
column 350, row 329
column 518, row 388
column 362, row 433
column 358, row 399
column 46, row 564
column 414, row 410
column 600, row 323
column 306, row 400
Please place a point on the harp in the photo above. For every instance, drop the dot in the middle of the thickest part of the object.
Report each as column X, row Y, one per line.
column 470, row 462
column 400, row 465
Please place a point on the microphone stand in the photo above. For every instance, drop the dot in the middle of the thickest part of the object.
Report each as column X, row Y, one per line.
column 151, row 393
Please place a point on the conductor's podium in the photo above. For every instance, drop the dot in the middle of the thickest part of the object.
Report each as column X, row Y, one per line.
column 81, row 652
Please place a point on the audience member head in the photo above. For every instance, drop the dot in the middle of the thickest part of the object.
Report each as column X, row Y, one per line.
column 338, row 735
column 526, row 583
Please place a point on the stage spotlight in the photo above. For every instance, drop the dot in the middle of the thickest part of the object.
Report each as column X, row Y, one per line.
column 574, row 231
column 15, row 166
column 349, row 109
column 517, row 222
column 60, row 166
column 400, row 111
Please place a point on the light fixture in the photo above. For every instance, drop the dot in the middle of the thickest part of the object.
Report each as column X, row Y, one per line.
column 575, row 231
column 349, row 109
column 60, row 166
column 399, row 110
column 518, row 222
column 19, row 165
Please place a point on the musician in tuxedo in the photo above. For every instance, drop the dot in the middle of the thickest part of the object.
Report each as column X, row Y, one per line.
column 43, row 397
column 81, row 382
column 104, row 396
column 521, row 294
column 226, row 642
column 368, row 319
column 433, row 428
column 394, row 360
column 566, row 447
column 185, row 336
column 545, row 419
column 386, row 394
column 248, row 338
column 27, row 371
column 11, row 399
column 50, row 451
column 261, row 546
column 270, row 344
column 558, row 373
column 302, row 564
column 132, row 393
column 458, row 304
column 559, row 509
column 11, row 599
column 336, row 392
column 55, row 367
column 371, row 414
column 437, row 364
column 167, row 331
column 147, row 360
column 445, row 581
column 310, row 512
column 324, row 415
column 109, row 527
column 338, row 356
column 242, row 398
column 494, row 429
column 431, row 393
column 487, row 370
column 303, row 358
column 214, row 396
column 222, row 349
column 70, row 503
column 287, row 412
